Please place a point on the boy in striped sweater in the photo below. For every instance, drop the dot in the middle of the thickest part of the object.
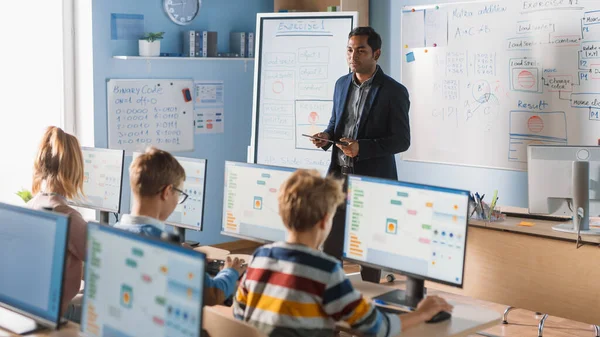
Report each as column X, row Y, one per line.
column 293, row 289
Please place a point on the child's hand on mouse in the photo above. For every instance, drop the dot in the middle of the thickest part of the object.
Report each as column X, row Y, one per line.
column 431, row 305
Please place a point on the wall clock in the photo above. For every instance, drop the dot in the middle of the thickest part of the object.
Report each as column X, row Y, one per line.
column 182, row 12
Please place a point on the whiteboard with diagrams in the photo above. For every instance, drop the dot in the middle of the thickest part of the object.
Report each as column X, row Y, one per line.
column 488, row 78
column 150, row 112
column 300, row 56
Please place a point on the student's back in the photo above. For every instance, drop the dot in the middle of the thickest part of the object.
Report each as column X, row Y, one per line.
column 294, row 290
column 143, row 225
column 58, row 175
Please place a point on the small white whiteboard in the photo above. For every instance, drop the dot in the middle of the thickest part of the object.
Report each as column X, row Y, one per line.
column 144, row 112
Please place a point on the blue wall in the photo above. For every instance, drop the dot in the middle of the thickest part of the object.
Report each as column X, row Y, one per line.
column 222, row 16
column 385, row 18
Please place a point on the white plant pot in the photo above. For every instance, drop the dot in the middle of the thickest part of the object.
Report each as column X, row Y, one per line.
column 149, row 48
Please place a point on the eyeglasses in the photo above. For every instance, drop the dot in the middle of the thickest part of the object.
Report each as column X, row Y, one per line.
column 182, row 195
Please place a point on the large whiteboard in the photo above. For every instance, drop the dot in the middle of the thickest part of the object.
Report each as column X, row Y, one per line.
column 143, row 112
column 300, row 56
column 486, row 79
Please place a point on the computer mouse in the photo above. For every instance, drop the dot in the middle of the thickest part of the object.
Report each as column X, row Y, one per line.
column 439, row 317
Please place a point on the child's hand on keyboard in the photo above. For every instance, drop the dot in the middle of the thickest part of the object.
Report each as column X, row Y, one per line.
column 237, row 264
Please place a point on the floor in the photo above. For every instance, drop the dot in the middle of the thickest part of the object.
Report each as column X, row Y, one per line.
column 522, row 323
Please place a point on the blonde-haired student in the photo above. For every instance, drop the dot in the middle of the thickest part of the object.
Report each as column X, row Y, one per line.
column 57, row 177
column 293, row 289
column 156, row 180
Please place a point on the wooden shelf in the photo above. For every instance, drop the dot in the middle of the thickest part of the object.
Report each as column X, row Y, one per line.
column 175, row 58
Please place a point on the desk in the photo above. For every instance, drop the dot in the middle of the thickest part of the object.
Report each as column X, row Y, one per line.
column 215, row 323
column 542, row 228
column 533, row 268
column 213, row 252
column 466, row 318
column 69, row 330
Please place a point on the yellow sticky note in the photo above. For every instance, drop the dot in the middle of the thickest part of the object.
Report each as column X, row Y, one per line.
column 526, row 224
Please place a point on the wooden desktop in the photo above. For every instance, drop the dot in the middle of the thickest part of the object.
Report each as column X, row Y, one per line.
column 533, row 268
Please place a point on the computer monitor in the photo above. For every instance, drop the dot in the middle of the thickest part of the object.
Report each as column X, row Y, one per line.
column 140, row 286
column 190, row 214
column 103, row 179
column 550, row 181
column 33, row 248
column 250, row 206
column 416, row 230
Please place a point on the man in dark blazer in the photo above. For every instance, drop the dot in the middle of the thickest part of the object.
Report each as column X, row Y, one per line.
column 370, row 114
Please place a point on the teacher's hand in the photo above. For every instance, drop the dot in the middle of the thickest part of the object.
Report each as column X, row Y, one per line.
column 320, row 143
column 350, row 150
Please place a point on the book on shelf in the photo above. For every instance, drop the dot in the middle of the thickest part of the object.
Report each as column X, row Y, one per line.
column 237, row 43
column 250, row 48
column 189, row 43
column 209, row 44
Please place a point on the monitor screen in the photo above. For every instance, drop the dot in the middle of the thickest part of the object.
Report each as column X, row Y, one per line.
column 103, row 178
column 140, row 286
column 413, row 229
column 190, row 213
column 33, row 246
column 250, row 206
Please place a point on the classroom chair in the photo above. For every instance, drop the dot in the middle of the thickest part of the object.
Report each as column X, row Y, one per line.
column 218, row 322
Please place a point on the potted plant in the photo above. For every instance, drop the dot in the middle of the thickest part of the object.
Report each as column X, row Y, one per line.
column 25, row 195
column 150, row 44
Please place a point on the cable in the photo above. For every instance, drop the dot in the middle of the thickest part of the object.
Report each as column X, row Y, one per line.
column 578, row 243
column 580, row 217
column 569, row 203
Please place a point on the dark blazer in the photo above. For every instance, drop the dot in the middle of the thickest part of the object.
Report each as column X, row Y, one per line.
column 383, row 130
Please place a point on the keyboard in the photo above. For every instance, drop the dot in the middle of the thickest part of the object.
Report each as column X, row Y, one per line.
column 214, row 267
column 389, row 310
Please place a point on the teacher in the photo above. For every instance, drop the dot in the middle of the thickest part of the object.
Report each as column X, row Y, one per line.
column 370, row 114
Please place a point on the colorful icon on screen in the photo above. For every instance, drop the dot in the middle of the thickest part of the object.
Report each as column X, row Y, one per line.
column 258, row 203
column 391, row 226
column 126, row 296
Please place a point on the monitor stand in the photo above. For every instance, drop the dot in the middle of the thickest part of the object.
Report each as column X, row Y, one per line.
column 17, row 323
column 409, row 298
column 104, row 217
column 180, row 232
column 581, row 202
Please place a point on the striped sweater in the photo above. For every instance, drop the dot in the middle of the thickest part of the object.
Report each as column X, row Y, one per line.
column 294, row 290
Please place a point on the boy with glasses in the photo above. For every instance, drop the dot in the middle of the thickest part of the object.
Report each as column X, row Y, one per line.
column 156, row 180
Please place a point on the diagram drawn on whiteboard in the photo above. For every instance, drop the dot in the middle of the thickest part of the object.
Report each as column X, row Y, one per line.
column 311, row 117
column 279, row 85
column 526, row 75
column 535, row 128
